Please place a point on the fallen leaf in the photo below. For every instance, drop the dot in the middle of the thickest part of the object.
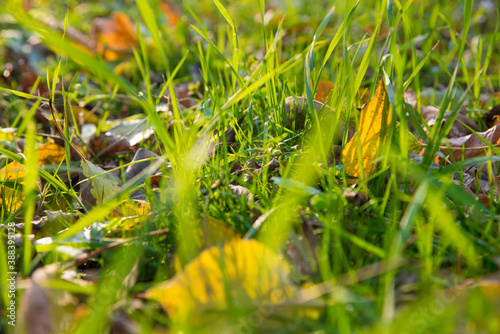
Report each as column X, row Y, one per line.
column 114, row 36
column 50, row 154
column 12, row 172
column 491, row 117
column 171, row 11
column 215, row 232
column 374, row 122
column 108, row 144
column 10, row 178
column 135, row 130
column 11, row 175
column 324, row 89
column 97, row 185
column 139, row 166
column 242, row 274
column 430, row 114
column 470, row 142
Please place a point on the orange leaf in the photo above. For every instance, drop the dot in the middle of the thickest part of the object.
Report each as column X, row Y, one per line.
column 114, row 35
column 324, row 89
column 171, row 11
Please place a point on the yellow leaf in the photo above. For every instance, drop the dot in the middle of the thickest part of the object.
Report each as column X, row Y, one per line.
column 374, row 122
column 240, row 275
column 210, row 232
column 10, row 196
column 50, row 154
column 7, row 134
column 216, row 231
column 12, row 172
column 129, row 216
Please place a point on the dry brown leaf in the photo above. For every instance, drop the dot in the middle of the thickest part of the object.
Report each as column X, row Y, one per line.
column 471, row 141
column 430, row 113
column 107, row 144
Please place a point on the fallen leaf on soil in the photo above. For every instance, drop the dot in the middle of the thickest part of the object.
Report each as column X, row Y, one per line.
column 243, row 271
column 374, row 122
column 12, row 174
column 98, row 189
column 50, row 154
column 135, row 169
column 135, row 130
column 324, row 89
column 430, row 113
column 10, row 194
column 471, row 141
column 108, row 144
column 114, row 36
column 171, row 11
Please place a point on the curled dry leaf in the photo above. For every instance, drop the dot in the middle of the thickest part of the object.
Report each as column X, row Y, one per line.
column 245, row 272
column 430, row 114
column 472, row 145
column 375, row 118
column 108, row 144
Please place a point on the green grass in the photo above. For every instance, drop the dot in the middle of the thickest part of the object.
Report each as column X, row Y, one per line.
column 411, row 258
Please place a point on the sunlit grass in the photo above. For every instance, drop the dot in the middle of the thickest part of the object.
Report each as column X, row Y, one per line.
column 425, row 233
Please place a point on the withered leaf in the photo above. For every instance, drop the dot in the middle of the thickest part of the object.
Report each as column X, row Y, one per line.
column 471, row 141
